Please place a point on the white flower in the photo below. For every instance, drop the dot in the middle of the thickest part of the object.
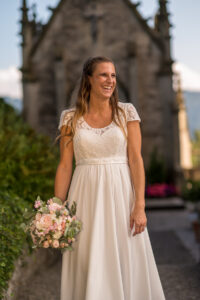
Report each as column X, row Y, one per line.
column 57, row 235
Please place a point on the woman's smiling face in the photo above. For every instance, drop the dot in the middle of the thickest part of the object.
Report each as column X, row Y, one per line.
column 103, row 80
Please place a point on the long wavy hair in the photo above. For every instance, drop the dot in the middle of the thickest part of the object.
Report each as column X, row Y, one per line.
column 83, row 99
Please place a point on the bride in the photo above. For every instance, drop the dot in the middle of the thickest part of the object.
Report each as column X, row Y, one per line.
column 112, row 257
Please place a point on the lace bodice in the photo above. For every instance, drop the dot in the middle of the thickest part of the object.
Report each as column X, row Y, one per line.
column 92, row 145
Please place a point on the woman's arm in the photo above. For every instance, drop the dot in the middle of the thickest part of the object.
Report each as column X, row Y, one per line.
column 137, row 176
column 64, row 169
column 136, row 162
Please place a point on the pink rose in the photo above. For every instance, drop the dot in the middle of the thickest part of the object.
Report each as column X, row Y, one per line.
column 38, row 216
column 50, row 201
column 54, row 207
column 55, row 243
column 46, row 244
column 55, row 226
column 37, row 204
column 46, row 221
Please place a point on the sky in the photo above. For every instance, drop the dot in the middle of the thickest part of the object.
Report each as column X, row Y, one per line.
column 184, row 16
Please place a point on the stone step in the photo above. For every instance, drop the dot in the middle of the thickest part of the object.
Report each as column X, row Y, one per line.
column 164, row 203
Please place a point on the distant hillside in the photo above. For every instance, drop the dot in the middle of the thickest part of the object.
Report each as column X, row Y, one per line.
column 16, row 103
column 192, row 102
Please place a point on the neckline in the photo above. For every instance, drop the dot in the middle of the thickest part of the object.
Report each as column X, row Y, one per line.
column 96, row 128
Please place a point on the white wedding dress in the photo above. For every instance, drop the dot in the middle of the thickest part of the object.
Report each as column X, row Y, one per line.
column 107, row 262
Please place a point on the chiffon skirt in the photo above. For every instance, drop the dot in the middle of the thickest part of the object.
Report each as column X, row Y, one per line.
column 107, row 262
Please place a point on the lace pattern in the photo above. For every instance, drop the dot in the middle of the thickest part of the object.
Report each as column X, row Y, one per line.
column 65, row 116
column 83, row 124
column 131, row 112
column 129, row 109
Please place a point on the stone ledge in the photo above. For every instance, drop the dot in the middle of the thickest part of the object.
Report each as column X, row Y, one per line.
column 26, row 266
column 165, row 203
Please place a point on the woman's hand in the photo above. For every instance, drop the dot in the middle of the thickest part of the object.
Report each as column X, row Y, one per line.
column 138, row 217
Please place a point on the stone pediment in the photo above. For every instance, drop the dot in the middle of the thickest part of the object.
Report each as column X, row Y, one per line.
column 89, row 12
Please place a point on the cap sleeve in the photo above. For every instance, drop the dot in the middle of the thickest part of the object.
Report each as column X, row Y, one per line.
column 131, row 113
column 65, row 116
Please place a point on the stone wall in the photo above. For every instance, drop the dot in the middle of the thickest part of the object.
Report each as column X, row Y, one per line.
column 26, row 267
column 80, row 29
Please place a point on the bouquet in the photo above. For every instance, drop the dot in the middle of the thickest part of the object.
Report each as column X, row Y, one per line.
column 52, row 224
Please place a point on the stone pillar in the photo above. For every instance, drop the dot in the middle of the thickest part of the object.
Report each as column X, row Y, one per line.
column 184, row 135
column 30, row 100
column 133, row 74
column 60, row 86
column 170, row 125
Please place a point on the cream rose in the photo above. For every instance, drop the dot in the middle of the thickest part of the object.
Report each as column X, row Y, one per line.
column 55, row 244
column 57, row 235
column 46, row 244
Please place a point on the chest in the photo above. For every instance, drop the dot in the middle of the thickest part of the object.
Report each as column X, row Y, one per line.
column 99, row 142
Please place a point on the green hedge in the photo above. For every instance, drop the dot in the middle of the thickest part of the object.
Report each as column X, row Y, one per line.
column 12, row 237
column 191, row 190
column 27, row 168
column 28, row 160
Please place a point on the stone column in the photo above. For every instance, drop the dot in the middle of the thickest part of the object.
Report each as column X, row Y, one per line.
column 132, row 71
column 60, row 85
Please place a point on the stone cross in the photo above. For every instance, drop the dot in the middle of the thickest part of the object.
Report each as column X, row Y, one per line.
column 93, row 15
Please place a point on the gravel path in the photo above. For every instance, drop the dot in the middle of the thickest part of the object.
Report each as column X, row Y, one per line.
column 178, row 269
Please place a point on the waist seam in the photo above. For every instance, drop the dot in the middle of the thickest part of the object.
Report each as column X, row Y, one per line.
column 102, row 161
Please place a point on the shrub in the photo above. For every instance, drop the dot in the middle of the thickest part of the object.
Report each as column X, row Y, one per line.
column 12, row 237
column 156, row 171
column 28, row 160
column 27, row 168
column 191, row 190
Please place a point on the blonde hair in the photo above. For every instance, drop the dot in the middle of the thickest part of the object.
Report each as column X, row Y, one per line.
column 83, row 99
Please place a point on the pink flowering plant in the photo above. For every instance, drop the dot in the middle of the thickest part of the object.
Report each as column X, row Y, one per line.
column 161, row 190
column 52, row 224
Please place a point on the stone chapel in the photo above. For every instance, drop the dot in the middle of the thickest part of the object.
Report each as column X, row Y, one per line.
column 53, row 55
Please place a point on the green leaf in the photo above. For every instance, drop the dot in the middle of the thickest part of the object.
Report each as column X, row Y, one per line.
column 73, row 209
column 66, row 230
column 2, row 264
column 38, row 198
column 70, row 248
column 57, row 200
column 58, row 213
column 44, row 210
column 28, row 214
column 23, row 226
